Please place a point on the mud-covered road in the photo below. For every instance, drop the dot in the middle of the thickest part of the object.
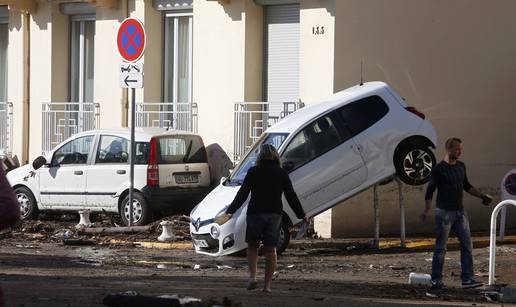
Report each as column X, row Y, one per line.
column 36, row 271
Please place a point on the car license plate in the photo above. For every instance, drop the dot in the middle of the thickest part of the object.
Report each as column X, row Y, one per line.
column 183, row 179
column 201, row 243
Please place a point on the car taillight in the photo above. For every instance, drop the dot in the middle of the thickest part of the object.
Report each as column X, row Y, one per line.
column 152, row 168
column 415, row 111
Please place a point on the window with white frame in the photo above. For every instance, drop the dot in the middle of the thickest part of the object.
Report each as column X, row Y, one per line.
column 82, row 45
column 178, row 57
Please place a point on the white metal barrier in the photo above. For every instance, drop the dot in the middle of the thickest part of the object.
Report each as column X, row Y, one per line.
column 492, row 244
column 174, row 115
column 61, row 120
column 6, row 128
column 253, row 118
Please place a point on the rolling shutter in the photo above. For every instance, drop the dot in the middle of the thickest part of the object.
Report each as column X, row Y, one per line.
column 281, row 53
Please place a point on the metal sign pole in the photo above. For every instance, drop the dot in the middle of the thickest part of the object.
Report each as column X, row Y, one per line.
column 131, row 159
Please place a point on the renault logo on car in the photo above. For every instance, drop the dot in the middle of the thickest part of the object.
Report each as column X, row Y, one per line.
column 197, row 224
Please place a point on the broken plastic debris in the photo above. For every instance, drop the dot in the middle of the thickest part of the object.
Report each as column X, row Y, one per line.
column 196, row 267
column 290, row 266
column 221, row 267
column 428, row 294
column 161, row 266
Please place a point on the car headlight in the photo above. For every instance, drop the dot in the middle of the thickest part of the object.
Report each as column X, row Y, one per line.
column 214, row 232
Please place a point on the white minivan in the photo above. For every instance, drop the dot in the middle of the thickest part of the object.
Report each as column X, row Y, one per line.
column 332, row 150
column 90, row 170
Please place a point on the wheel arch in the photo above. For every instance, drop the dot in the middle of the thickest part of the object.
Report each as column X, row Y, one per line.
column 413, row 140
column 125, row 193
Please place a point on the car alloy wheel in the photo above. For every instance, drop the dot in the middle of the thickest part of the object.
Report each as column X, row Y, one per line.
column 417, row 164
column 137, row 211
column 25, row 204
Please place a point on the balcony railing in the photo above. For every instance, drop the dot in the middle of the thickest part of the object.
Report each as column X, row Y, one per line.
column 253, row 118
column 64, row 119
column 6, row 128
column 173, row 115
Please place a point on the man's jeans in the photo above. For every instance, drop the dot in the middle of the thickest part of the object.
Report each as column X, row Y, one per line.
column 457, row 221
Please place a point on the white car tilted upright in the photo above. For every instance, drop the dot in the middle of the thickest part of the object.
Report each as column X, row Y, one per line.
column 333, row 150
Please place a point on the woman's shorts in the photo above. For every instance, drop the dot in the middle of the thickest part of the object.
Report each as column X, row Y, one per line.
column 263, row 228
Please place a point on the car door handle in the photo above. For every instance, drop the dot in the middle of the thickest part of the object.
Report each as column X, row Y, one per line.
column 120, row 171
column 77, row 172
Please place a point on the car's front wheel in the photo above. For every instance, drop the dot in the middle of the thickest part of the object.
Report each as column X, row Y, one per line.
column 28, row 204
column 414, row 164
column 141, row 210
column 284, row 239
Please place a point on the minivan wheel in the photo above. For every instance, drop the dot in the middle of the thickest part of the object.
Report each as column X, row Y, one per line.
column 284, row 239
column 141, row 211
column 28, row 205
column 413, row 164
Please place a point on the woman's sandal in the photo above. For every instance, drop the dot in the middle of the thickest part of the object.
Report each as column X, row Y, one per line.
column 267, row 290
column 252, row 285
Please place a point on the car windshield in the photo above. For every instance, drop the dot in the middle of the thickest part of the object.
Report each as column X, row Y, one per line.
column 275, row 139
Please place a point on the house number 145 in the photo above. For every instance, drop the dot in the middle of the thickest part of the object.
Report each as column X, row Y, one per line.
column 319, row 30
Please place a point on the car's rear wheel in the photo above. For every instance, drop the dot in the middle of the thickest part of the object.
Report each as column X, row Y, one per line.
column 28, row 205
column 141, row 210
column 414, row 163
column 284, row 239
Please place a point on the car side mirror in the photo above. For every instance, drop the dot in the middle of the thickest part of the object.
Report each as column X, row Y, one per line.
column 39, row 162
column 288, row 166
column 222, row 180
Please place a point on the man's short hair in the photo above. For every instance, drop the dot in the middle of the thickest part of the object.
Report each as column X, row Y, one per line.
column 452, row 142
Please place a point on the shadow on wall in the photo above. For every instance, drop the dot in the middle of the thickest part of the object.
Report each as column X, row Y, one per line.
column 328, row 5
column 219, row 162
column 15, row 22
column 233, row 9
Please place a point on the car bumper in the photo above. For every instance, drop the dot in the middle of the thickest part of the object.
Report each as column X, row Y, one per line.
column 174, row 200
column 228, row 242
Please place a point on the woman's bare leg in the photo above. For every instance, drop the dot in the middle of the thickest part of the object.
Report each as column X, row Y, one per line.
column 252, row 259
column 270, row 266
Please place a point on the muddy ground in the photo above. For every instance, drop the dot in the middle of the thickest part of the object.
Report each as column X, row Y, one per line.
column 37, row 269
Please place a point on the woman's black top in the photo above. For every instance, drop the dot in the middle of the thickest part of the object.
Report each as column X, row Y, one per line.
column 266, row 182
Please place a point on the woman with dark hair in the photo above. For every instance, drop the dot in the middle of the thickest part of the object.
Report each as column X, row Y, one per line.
column 266, row 182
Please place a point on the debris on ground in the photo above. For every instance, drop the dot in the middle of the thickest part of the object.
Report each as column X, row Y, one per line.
column 134, row 299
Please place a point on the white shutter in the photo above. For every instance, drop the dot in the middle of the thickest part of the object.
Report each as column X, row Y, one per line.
column 282, row 53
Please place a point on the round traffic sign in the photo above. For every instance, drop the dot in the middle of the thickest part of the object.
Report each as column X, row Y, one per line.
column 510, row 184
column 131, row 39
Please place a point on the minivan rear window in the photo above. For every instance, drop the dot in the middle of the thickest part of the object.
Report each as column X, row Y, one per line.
column 180, row 149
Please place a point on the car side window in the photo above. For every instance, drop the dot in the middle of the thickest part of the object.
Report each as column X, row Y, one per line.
column 112, row 149
column 313, row 141
column 73, row 152
column 362, row 114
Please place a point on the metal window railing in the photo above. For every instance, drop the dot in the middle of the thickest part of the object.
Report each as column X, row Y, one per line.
column 6, row 128
column 253, row 118
column 174, row 115
column 60, row 120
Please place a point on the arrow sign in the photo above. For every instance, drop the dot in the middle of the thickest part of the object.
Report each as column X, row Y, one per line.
column 131, row 80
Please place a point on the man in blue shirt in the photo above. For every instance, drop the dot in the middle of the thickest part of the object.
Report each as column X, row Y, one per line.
column 450, row 179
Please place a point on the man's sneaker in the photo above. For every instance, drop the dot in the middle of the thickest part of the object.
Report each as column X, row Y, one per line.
column 471, row 284
column 436, row 285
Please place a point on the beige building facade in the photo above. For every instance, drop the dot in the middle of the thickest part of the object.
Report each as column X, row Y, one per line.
column 453, row 60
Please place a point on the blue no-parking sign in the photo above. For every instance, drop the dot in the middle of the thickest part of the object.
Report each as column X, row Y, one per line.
column 131, row 39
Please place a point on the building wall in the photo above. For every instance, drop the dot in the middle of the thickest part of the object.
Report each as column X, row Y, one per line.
column 223, row 40
column 15, row 78
column 317, row 25
column 453, row 61
column 107, row 91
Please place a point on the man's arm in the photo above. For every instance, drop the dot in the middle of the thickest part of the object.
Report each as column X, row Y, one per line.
column 432, row 185
column 468, row 187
